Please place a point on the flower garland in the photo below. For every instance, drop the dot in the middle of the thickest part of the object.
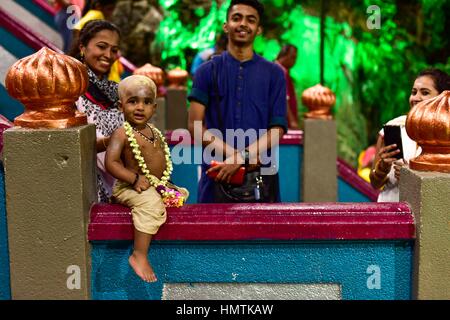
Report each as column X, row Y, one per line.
column 171, row 197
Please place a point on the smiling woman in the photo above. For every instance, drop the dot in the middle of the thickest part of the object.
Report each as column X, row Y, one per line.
column 98, row 48
column 385, row 172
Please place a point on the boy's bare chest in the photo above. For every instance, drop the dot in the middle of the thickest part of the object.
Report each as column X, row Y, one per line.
column 148, row 149
column 152, row 150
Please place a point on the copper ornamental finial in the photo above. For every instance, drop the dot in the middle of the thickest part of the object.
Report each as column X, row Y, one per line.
column 428, row 123
column 48, row 84
column 177, row 78
column 319, row 100
column 154, row 73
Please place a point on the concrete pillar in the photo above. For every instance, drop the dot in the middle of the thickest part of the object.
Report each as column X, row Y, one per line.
column 319, row 161
column 428, row 194
column 50, row 186
column 176, row 109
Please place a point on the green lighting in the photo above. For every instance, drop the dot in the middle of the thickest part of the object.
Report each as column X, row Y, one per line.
column 177, row 39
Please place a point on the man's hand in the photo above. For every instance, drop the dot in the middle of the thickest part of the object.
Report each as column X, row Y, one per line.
column 226, row 171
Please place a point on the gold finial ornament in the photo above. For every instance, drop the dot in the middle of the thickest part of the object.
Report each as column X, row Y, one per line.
column 428, row 123
column 48, row 84
column 319, row 100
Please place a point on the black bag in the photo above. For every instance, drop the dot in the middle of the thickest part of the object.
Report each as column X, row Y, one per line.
column 256, row 188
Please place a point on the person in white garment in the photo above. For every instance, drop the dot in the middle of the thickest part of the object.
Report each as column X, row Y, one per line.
column 385, row 172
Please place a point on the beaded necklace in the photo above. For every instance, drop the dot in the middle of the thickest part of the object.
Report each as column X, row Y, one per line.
column 152, row 139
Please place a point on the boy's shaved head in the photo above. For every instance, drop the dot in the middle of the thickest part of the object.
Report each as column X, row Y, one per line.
column 137, row 81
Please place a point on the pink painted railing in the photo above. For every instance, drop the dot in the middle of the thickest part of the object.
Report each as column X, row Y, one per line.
column 45, row 6
column 349, row 175
column 24, row 33
column 299, row 221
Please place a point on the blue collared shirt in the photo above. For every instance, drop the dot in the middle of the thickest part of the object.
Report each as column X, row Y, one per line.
column 251, row 95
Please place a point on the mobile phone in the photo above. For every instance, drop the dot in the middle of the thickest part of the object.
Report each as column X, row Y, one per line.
column 393, row 135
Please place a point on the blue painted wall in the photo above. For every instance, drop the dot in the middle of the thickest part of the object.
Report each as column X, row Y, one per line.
column 290, row 170
column 186, row 175
column 344, row 262
column 291, row 164
column 5, row 290
column 186, row 172
column 346, row 193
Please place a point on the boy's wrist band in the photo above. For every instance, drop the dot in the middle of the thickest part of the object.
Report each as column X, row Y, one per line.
column 136, row 179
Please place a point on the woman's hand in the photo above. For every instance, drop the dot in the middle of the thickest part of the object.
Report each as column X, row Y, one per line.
column 386, row 156
column 397, row 166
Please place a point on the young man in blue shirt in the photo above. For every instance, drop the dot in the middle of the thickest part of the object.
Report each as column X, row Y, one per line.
column 241, row 91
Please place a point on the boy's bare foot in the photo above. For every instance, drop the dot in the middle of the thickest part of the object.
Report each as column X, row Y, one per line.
column 142, row 267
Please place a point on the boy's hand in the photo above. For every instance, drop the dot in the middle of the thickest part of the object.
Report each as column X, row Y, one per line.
column 141, row 184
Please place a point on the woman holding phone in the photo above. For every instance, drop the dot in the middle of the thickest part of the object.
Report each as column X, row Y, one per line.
column 386, row 168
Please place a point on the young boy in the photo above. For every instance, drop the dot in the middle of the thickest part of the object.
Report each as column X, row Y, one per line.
column 139, row 158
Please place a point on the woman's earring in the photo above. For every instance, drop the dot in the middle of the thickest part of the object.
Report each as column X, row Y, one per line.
column 82, row 57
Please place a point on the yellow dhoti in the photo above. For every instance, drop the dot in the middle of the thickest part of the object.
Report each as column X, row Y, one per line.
column 147, row 208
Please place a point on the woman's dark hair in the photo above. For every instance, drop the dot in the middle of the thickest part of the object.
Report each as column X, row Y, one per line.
column 440, row 78
column 255, row 4
column 88, row 32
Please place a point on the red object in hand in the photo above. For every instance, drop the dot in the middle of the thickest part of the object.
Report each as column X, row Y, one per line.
column 237, row 178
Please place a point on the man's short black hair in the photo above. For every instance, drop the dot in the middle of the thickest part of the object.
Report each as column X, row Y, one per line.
column 255, row 4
